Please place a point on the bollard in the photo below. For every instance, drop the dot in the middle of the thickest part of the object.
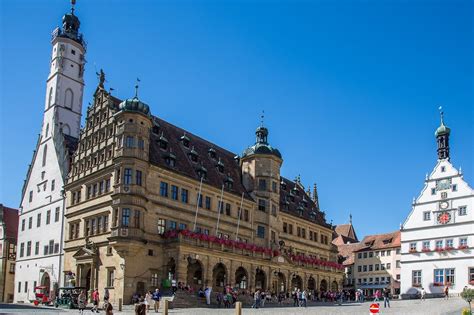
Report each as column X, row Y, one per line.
column 120, row 305
column 238, row 308
column 165, row 307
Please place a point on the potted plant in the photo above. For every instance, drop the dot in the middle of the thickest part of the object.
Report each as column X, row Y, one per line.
column 468, row 295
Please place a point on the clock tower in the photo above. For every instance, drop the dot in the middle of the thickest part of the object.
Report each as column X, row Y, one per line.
column 437, row 239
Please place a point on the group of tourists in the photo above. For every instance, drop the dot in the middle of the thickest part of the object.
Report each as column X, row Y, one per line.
column 144, row 303
column 82, row 302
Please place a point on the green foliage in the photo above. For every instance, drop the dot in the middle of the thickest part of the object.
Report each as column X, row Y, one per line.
column 466, row 311
column 468, row 295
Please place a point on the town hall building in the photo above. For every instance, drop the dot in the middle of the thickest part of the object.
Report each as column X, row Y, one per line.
column 438, row 235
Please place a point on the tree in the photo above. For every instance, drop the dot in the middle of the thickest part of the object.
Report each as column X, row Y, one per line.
column 468, row 295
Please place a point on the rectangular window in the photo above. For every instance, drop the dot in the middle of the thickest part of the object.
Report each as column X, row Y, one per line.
column 426, row 215
column 227, row 209
column 23, row 224
column 371, row 268
column 389, row 265
column 262, row 184
column 412, row 247
column 290, row 228
column 285, row 227
column 38, row 220
column 397, row 264
column 449, row 243
column 56, row 248
column 463, row 241
column 371, row 254
column 110, row 277
column 200, row 201
column 208, row 203
column 28, row 248
column 184, row 196
column 106, row 225
column 377, row 267
column 382, row 253
column 274, row 210
column 462, row 210
column 94, row 190
column 136, row 218
column 31, row 196
column 359, row 268
column 161, row 226
column 365, row 268
column 220, row 206
column 303, row 233
column 19, row 286
column 141, row 144
column 174, row 192
column 365, row 255
column 107, row 186
column 182, row 226
column 53, row 182
column 439, row 276
column 138, row 177
column 382, row 266
column 246, row 215
column 51, row 247
column 30, row 222
column 172, row 225
column 433, row 191
column 26, row 286
column 298, row 231
column 164, row 189
column 37, row 248
column 471, row 274
column 389, row 252
column 439, row 244
column 449, row 274
column 426, row 245
column 359, row 255
column 56, row 215
column 129, row 142
column 127, row 176
column 261, row 231
column 89, row 192
column 455, row 187
column 262, row 205
column 125, row 217
column 274, row 187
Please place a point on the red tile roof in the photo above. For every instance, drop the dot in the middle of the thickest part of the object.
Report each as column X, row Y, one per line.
column 346, row 251
column 10, row 217
column 380, row 241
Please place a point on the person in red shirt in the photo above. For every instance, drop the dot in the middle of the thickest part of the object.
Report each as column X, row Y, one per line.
column 95, row 301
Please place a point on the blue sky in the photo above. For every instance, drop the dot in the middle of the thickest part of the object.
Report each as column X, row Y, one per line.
column 350, row 89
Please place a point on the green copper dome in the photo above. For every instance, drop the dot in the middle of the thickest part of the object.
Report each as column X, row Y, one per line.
column 261, row 145
column 134, row 105
column 442, row 129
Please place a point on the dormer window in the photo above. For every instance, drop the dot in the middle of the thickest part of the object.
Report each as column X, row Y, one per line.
column 163, row 142
column 229, row 182
column 185, row 140
column 387, row 241
column 220, row 166
column 312, row 215
column 170, row 159
column 212, row 153
column 283, row 185
column 202, row 172
column 193, row 155
column 300, row 210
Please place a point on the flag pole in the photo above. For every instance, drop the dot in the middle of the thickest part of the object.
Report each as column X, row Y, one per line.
column 219, row 205
column 197, row 205
column 238, row 219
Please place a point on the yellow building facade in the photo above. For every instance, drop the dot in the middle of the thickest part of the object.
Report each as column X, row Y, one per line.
column 148, row 203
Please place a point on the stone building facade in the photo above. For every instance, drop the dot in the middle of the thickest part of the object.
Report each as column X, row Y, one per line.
column 149, row 202
column 377, row 263
column 8, row 239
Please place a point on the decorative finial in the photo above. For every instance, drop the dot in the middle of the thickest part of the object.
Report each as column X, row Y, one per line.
column 101, row 77
column 441, row 113
column 262, row 118
column 73, row 3
column 350, row 218
column 136, row 88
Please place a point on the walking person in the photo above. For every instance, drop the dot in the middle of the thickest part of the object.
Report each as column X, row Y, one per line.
column 148, row 300
column 140, row 307
column 386, row 298
column 108, row 308
column 446, row 291
column 207, row 294
column 377, row 296
column 95, row 301
column 156, row 300
column 304, row 298
column 82, row 302
column 423, row 294
column 256, row 299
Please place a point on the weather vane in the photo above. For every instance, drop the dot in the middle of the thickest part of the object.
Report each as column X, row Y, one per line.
column 73, row 3
column 136, row 87
column 441, row 113
column 262, row 117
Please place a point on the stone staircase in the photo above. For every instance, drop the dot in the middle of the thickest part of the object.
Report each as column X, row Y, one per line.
column 183, row 299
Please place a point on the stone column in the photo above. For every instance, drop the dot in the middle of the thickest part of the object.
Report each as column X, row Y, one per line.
column 251, row 280
column 269, row 279
column 231, row 274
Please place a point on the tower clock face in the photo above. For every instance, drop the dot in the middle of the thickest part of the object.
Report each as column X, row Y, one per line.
column 443, row 205
column 444, row 217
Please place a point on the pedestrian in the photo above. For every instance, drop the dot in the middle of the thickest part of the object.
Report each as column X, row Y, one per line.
column 82, row 301
column 219, row 299
column 304, row 298
column 446, row 291
column 256, row 299
column 156, row 300
column 207, row 294
column 386, row 297
column 423, row 294
column 95, row 301
column 106, row 295
column 377, row 296
column 108, row 308
column 148, row 300
column 174, row 286
column 140, row 307
column 357, row 296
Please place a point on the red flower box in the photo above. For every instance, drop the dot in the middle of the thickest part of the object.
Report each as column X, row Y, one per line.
column 412, row 250
column 438, row 284
column 425, row 250
column 439, row 249
column 463, row 247
column 448, row 248
column 416, row 285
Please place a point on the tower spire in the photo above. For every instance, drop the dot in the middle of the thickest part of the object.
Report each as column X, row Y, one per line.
column 442, row 137
column 73, row 3
column 136, row 88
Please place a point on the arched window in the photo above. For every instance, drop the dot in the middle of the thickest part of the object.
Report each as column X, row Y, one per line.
column 47, row 130
column 69, row 99
column 50, row 97
column 45, row 152
column 66, row 129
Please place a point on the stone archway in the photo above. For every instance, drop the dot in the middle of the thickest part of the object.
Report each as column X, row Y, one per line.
column 334, row 286
column 46, row 281
column 241, row 278
column 296, row 282
column 323, row 286
column 311, row 283
column 260, row 279
column 219, row 276
column 194, row 273
column 279, row 282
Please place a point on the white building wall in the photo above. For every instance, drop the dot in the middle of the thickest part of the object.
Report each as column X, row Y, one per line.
column 418, row 229
column 63, row 106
